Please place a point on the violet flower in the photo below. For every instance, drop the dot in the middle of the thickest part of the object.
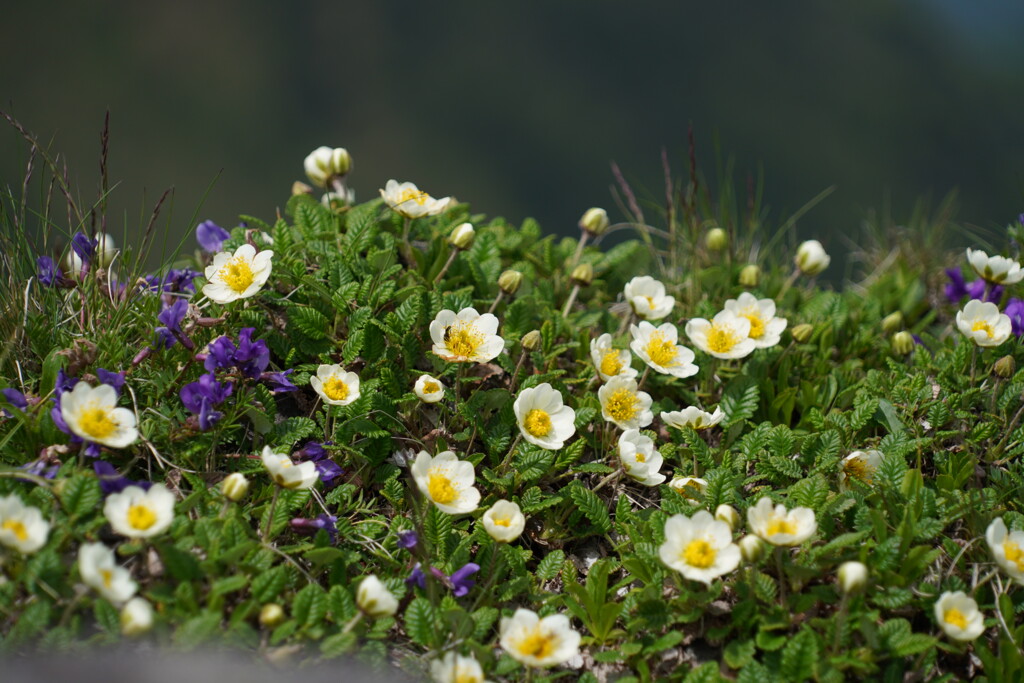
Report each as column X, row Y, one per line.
column 15, row 398
column 202, row 396
column 114, row 379
column 48, row 272
column 278, row 381
column 42, row 467
column 171, row 316
column 408, row 539
column 328, row 470
column 111, row 481
column 1015, row 309
column 84, row 246
column 252, row 357
column 459, row 582
column 211, row 236
column 220, row 354
column 322, row 521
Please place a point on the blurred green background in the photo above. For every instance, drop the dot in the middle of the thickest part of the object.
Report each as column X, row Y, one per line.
column 519, row 107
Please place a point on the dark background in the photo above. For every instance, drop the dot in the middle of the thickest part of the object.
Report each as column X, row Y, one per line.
column 519, row 107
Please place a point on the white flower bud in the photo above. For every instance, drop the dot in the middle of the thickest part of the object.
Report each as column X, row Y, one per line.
column 235, row 486
column 811, row 258
column 716, row 239
column 595, row 221
column 324, row 163
column 136, row 617
column 462, row 236
column 751, row 548
column 852, row 576
column 271, row 615
column 727, row 513
column 374, row 599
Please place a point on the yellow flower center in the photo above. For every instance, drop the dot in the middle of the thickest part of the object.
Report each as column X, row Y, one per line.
column 780, row 525
column 141, row 517
column 982, row 325
column 96, row 422
column 441, row 489
column 431, row 387
column 537, row 423
column 108, row 577
column 336, row 389
column 650, row 302
column 17, row 528
column 462, row 676
column 1014, row 554
column 410, row 195
column 858, row 468
column 463, row 339
column 622, row 405
column 721, row 338
column 502, row 521
column 237, row 274
column 536, row 645
column 640, row 457
column 660, row 350
column 699, row 554
column 610, row 363
column 955, row 617
column 756, row 323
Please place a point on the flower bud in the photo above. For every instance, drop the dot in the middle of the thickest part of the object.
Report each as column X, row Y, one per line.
column 751, row 548
column 583, row 274
column 892, row 322
column 374, row 599
column 271, row 615
column 727, row 513
column 802, row 332
column 750, row 276
column 531, row 340
column 136, row 617
column 811, row 258
column 235, row 486
column 509, row 281
column 106, row 249
column 324, row 163
column 337, row 202
column 902, row 343
column 1005, row 367
column 595, row 221
column 852, row 576
column 299, row 187
column 716, row 239
column 462, row 236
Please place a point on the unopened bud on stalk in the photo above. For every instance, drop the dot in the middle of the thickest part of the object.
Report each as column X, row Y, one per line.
column 583, row 274
column 811, row 258
column 902, row 343
column 531, row 340
column 595, row 221
column 751, row 548
column 750, row 276
column 271, row 615
column 802, row 332
column 727, row 513
column 325, row 163
column 892, row 322
column 852, row 576
column 462, row 236
column 716, row 239
column 106, row 249
column 235, row 486
column 509, row 281
column 299, row 187
column 1005, row 367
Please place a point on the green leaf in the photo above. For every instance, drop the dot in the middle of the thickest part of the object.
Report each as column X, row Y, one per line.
column 740, row 400
column 310, row 322
column 81, row 495
column 549, row 567
column 268, row 585
column 310, row 606
column 420, row 618
column 199, row 630
column 291, row 430
column 800, row 656
column 592, row 507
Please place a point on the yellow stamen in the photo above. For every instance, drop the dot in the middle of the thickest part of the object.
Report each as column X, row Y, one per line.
column 466, row 677
column 780, row 525
column 336, row 389
column 141, row 517
column 640, row 457
column 1014, row 554
column 699, row 554
column 108, row 577
column 537, row 423
column 17, row 528
column 463, row 339
column 441, row 489
column 858, row 468
column 721, row 338
column 650, row 302
column 430, row 387
column 660, row 350
column 96, row 422
column 622, row 405
column 611, row 365
column 503, row 521
column 410, row 195
column 982, row 325
column 237, row 274
column 536, row 645
column 756, row 323
column 955, row 617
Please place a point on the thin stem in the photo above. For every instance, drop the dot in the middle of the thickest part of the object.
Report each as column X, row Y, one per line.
column 497, row 300
column 974, row 361
column 270, row 517
column 447, row 265
column 607, row 480
column 515, row 373
column 352, row 622
column 782, row 577
column 579, row 250
column 405, row 246
column 998, row 450
column 787, row 284
column 508, row 457
column 640, row 384
column 570, row 301
column 840, row 619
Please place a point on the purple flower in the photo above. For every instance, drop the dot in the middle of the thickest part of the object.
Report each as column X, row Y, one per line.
column 221, row 354
column 211, row 236
column 329, row 471
column 42, row 467
column 65, row 382
column 407, row 539
column 417, row 577
column 202, row 396
column 311, row 451
column 279, row 381
column 114, row 379
column 171, row 332
column 323, row 521
column 1015, row 309
column 111, row 481
column 49, row 274
column 459, row 582
column 84, row 246
column 15, row 398
column 252, row 358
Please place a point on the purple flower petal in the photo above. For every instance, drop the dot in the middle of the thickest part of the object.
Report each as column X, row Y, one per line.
column 407, row 539
column 48, row 272
column 211, row 236
column 114, row 379
column 84, row 246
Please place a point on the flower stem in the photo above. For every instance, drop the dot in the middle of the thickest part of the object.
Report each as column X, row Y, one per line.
column 515, row 373
column 497, row 300
column 508, row 457
column 579, row 250
column 270, row 517
column 643, row 377
column 447, row 265
column 782, row 577
column 571, row 300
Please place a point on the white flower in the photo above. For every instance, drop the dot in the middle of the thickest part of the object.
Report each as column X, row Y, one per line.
column 687, row 486
column 983, row 323
column 539, row 642
column 22, row 527
column 428, row 389
column 136, row 617
column 335, row 386
column 374, row 599
column 728, row 514
column 811, row 258
column 92, row 414
column 237, row 276
column 765, row 329
column 624, row 405
column 411, row 202
column 323, row 163
column 106, row 248
column 727, row 335
column 609, row 361
column 504, row 521
column 693, row 417
column 639, row 459
column 699, row 547
column 998, row 270
column 454, row 668
column 852, row 576
column 466, row 336
column 446, row 481
column 648, row 299
column 286, row 473
column 543, row 420
column 1007, row 549
column 859, row 465
column 657, row 347
column 137, row 513
column 779, row 526
column 959, row 617
column 99, row 570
